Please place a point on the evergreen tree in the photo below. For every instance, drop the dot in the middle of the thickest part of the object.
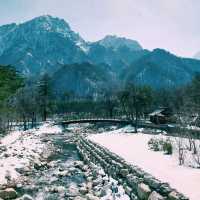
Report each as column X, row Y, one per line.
column 44, row 96
column 194, row 92
column 10, row 82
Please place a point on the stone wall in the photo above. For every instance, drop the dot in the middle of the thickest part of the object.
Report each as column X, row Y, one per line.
column 138, row 184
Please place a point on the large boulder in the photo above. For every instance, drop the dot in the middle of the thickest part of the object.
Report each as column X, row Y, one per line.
column 89, row 185
column 8, row 193
column 143, row 191
column 3, row 148
column 133, row 181
column 96, row 182
column 63, row 173
column 57, row 189
column 165, row 188
column 26, row 197
column 39, row 165
column 103, row 192
column 79, row 164
column 128, row 190
column 83, row 190
column 73, row 191
column 23, row 170
column 124, row 172
column 92, row 197
column 176, row 196
column 155, row 196
column 79, row 198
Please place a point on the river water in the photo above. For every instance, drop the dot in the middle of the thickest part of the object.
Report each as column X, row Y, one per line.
column 46, row 183
column 63, row 175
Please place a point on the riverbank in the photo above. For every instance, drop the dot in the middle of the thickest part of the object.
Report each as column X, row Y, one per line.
column 44, row 164
column 134, row 149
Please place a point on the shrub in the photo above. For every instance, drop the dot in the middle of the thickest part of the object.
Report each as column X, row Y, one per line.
column 160, row 145
column 153, row 144
column 167, row 147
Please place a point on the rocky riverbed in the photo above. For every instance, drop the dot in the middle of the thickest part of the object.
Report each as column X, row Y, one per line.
column 44, row 164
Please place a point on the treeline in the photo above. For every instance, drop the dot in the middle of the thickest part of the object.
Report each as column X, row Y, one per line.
column 23, row 102
column 10, row 82
column 29, row 102
column 136, row 102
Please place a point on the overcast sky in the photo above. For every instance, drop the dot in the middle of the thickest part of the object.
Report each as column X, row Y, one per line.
column 170, row 24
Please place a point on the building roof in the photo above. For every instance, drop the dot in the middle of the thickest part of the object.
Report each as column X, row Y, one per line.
column 157, row 112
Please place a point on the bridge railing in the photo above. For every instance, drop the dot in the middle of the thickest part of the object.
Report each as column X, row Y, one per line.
column 74, row 116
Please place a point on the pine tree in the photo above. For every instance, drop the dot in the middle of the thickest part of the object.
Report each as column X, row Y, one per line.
column 10, row 82
column 44, row 95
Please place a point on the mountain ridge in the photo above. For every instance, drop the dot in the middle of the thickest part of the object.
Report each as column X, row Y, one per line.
column 166, row 69
column 115, row 42
column 46, row 44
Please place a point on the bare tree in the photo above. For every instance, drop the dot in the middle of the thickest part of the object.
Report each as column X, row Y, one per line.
column 135, row 100
column 110, row 102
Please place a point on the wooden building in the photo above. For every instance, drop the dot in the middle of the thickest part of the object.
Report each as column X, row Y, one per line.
column 161, row 116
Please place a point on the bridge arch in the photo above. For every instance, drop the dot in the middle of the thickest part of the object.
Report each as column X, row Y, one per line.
column 114, row 121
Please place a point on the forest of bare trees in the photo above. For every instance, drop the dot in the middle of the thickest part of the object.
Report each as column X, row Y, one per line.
column 30, row 102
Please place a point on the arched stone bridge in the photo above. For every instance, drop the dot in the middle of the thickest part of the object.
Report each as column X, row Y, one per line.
column 171, row 130
column 140, row 124
column 95, row 120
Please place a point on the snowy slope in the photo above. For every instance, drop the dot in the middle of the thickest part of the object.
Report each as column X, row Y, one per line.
column 134, row 149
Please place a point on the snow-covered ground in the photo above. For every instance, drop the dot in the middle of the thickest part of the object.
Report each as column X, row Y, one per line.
column 20, row 150
column 24, row 165
column 134, row 149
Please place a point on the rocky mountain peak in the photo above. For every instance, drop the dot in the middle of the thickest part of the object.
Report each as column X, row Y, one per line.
column 47, row 23
column 115, row 42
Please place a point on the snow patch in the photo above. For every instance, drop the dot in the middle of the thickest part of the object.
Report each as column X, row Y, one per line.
column 82, row 46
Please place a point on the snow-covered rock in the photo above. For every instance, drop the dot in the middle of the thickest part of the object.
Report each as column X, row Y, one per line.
column 26, row 197
column 143, row 191
column 92, row 197
column 24, row 150
column 155, row 196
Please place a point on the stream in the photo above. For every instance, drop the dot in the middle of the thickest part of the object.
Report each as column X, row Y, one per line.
column 44, row 164
column 47, row 182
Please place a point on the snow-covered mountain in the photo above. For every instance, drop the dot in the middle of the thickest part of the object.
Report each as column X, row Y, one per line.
column 114, row 42
column 40, row 44
column 45, row 43
column 48, row 44
column 115, row 51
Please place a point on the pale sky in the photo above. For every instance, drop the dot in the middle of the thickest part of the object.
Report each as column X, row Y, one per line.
column 170, row 24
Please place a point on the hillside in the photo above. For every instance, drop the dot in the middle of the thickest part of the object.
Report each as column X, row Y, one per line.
column 160, row 68
column 83, row 79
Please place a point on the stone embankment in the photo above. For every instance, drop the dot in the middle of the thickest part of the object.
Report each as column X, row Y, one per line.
column 138, row 184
